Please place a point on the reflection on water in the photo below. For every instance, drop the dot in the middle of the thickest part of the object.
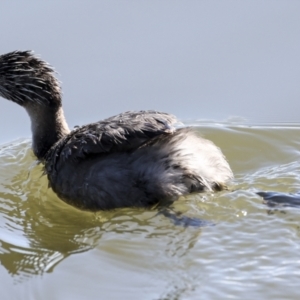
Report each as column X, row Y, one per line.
column 141, row 254
column 36, row 231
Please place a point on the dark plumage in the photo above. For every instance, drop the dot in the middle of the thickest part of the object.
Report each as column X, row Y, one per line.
column 132, row 159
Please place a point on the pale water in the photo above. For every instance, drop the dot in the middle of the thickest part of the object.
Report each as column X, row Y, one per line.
column 49, row 250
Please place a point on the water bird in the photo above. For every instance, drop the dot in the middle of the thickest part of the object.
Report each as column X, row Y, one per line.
column 134, row 159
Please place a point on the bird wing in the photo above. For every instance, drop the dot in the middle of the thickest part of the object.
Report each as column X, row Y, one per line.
column 123, row 132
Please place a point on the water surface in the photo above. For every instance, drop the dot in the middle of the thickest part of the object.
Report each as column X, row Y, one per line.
column 50, row 250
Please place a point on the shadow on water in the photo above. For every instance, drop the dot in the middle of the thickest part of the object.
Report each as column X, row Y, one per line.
column 275, row 199
column 38, row 231
column 179, row 219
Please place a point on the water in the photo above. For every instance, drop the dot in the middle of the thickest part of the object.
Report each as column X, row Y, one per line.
column 49, row 250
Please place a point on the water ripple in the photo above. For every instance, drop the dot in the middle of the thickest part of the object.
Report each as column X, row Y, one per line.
column 251, row 251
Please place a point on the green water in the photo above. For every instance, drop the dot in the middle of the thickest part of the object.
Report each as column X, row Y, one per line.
column 49, row 250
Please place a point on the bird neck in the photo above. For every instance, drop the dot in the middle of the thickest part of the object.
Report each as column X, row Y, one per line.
column 48, row 125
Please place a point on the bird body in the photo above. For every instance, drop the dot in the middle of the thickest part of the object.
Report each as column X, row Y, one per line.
column 132, row 159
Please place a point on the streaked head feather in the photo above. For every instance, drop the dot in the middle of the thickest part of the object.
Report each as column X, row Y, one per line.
column 27, row 79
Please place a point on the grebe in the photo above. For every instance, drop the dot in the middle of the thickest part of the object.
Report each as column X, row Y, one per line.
column 132, row 159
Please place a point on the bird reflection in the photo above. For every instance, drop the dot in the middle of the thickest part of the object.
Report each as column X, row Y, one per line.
column 39, row 241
